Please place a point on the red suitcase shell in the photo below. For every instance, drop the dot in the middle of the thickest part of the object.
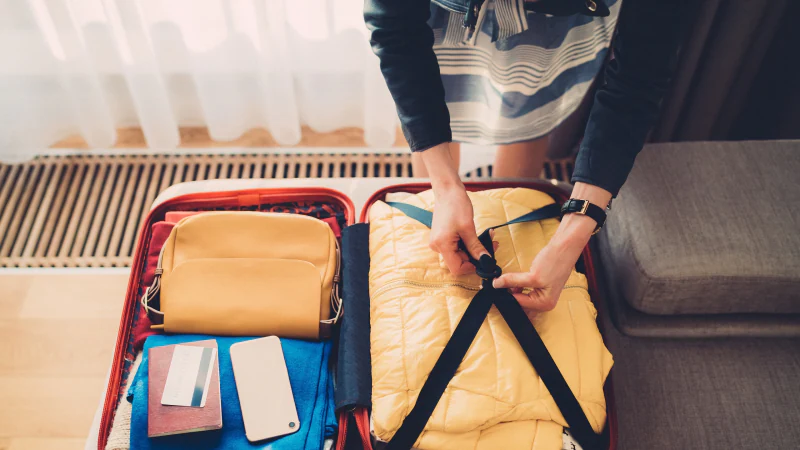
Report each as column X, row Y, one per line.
column 249, row 198
column 242, row 199
column 560, row 192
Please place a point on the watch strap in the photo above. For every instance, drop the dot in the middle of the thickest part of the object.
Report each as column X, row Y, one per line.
column 586, row 208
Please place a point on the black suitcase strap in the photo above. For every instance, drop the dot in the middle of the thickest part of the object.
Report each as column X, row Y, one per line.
column 456, row 348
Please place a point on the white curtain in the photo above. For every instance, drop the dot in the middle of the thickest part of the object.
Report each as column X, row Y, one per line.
column 91, row 66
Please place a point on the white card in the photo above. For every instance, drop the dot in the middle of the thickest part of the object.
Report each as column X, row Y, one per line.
column 189, row 376
column 569, row 442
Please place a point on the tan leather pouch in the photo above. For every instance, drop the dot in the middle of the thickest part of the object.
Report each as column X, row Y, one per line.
column 247, row 274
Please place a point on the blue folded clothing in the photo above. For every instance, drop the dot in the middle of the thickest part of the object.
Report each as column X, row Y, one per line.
column 312, row 387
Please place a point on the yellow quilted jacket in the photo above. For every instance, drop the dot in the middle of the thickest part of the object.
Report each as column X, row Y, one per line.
column 495, row 400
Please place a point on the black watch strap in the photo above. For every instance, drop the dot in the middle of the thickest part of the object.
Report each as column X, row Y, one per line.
column 577, row 206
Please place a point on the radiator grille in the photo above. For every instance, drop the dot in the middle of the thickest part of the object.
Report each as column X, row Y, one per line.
column 85, row 210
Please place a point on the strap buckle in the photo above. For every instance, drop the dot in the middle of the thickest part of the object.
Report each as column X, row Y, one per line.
column 487, row 268
column 584, row 207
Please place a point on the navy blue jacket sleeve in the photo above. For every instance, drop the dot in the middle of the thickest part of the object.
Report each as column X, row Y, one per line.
column 403, row 41
column 627, row 103
column 625, row 106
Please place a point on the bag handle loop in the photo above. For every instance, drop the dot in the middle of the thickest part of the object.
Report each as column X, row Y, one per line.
column 153, row 290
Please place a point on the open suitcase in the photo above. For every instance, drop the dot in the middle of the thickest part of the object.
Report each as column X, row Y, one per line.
column 326, row 204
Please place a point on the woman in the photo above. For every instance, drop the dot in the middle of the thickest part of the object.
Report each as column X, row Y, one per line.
column 519, row 107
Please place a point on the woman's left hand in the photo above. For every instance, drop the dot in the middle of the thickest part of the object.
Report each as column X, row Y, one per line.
column 545, row 279
column 552, row 266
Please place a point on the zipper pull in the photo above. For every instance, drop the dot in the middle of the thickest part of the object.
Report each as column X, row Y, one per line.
column 471, row 17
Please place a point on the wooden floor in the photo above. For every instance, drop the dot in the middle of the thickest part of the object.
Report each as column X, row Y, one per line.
column 57, row 334
column 198, row 137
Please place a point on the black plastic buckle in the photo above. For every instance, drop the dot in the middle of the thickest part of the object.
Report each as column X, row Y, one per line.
column 487, row 268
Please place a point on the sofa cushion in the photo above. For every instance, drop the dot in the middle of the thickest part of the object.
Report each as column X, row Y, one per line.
column 710, row 394
column 709, row 228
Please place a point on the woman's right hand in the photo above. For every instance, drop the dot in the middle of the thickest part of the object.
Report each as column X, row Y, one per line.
column 453, row 214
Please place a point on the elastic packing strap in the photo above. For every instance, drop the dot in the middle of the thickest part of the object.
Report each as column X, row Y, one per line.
column 456, row 348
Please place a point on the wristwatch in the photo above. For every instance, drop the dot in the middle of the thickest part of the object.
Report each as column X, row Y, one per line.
column 578, row 206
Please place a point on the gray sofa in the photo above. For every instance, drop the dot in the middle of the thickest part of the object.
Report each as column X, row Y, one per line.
column 700, row 281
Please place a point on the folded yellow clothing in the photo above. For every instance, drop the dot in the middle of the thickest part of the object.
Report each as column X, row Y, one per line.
column 496, row 399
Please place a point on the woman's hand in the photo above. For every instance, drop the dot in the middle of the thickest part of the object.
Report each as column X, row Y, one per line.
column 546, row 278
column 552, row 266
column 453, row 222
column 453, row 215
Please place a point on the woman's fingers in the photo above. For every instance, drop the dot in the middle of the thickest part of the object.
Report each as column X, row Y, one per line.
column 535, row 302
column 471, row 241
column 540, row 298
column 516, row 280
column 456, row 261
